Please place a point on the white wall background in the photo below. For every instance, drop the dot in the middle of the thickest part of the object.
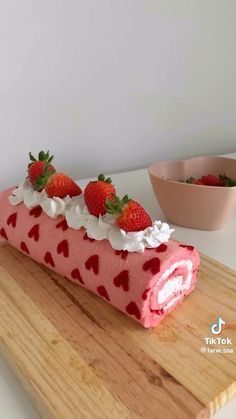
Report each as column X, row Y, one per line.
column 109, row 85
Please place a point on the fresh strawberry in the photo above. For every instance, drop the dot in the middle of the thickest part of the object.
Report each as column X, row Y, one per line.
column 61, row 185
column 131, row 215
column 41, row 169
column 96, row 193
column 198, row 182
column 211, row 180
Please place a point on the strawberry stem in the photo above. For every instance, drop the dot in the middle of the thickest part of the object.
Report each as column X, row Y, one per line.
column 42, row 179
column 227, row 180
column 116, row 205
column 190, row 180
column 42, row 156
column 102, row 178
column 32, row 158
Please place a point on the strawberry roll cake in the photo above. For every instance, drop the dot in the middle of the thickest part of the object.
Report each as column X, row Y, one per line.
column 108, row 245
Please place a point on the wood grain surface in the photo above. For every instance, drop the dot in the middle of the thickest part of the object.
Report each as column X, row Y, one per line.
column 78, row 357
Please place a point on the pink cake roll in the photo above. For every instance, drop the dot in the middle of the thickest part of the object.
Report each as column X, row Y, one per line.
column 146, row 285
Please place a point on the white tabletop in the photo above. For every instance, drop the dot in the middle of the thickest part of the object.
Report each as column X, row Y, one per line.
column 14, row 403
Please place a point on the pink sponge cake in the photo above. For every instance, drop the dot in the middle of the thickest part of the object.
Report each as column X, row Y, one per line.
column 139, row 272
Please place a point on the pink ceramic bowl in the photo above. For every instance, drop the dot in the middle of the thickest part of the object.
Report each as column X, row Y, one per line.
column 195, row 206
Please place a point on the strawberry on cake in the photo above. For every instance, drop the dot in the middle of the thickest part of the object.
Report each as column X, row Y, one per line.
column 106, row 244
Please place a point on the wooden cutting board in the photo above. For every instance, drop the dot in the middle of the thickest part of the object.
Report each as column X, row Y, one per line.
column 78, row 357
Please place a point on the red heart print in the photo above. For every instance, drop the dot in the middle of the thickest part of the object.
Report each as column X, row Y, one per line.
column 34, row 232
column 122, row 253
column 24, row 248
column 122, row 280
column 63, row 248
column 36, row 211
column 48, row 259
column 152, row 264
column 92, row 262
column 3, row 233
column 133, row 310
column 86, row 237
column 157, row 312
column 103, row 292
column 161, row 248
column 12, row 219
column 76, row 275
column 144, row 294
column 63, row 225
column 187, row 246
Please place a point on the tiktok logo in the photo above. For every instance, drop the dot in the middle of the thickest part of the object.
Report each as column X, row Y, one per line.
column 216, row 327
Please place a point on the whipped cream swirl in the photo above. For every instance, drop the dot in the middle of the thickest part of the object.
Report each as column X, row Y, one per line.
column 51, row 206
column 98, row 228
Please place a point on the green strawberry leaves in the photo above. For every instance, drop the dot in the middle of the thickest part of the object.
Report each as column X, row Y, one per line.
column 227, row 180
column 116, row 205
column 102, row 178
column 42, row 156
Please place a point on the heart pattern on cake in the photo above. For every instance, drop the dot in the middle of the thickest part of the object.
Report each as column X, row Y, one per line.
column 122, row 253
column 49, row 259
column 12, row 219
column 34, row 232
column 93, row 263
column 63, row 225
column 86, row 237
column 24, row 248
column 133, row 310
column 144, row 294
column 76, row 275
column 122, row 280
column 3, row 233
column 36, row 211
column 157, row 312
column 63, row 248
column 103, row 292
column 161, row 248
column 153, row 265
column 187, row 246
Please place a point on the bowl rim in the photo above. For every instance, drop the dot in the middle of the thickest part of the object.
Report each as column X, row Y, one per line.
column 153, row 165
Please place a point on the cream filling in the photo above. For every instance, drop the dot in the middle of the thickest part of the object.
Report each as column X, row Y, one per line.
column 175, row 284
column 170, row 288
